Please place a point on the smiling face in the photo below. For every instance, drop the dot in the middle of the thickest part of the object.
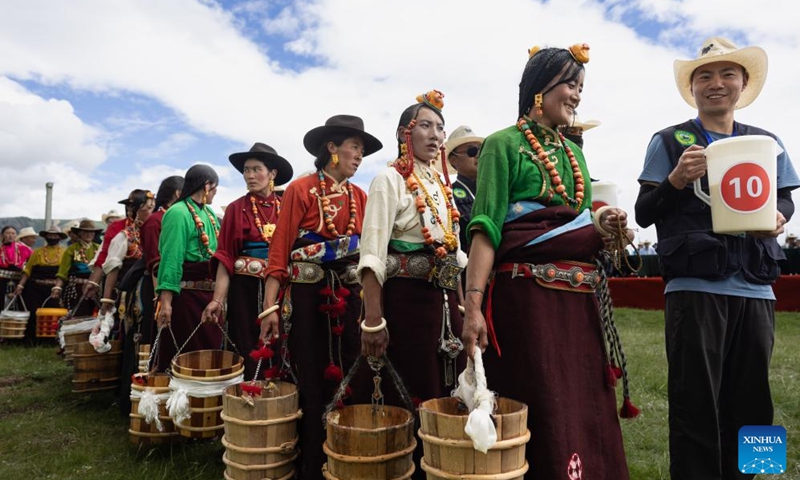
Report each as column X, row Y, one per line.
column 427, row 136
column 86, row 235
column 559, row 104
column 716, row 87
column 257, row 176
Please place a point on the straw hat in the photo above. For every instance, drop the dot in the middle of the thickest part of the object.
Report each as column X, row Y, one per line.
column 461, row 135
column 718, row 49
column 26, row 232
column 111, row 216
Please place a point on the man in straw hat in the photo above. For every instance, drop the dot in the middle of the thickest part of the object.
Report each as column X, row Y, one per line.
column 27, row 236
column 575, row 130
column 462, row 154
column 720, row 318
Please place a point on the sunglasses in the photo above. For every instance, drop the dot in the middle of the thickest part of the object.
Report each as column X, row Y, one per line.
column 471, row 152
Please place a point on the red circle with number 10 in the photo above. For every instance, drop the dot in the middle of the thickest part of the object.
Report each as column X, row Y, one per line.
column 745, row 187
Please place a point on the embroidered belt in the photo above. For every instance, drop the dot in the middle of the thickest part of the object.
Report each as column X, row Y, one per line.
column 10, row 274
column 308, row 272
column 562, row 275
column 250, row 266
column 204, row 285
column 444, row 272
column 43, row 281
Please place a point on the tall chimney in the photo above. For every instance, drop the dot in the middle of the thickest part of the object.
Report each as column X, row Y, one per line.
column 48, row 206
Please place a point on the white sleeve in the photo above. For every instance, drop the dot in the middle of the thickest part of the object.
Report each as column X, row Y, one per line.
column 379, row 219
column 117, row 250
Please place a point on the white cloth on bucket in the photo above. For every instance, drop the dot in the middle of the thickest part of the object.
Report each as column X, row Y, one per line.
column 86, row 326
column 100, row 340
column 148, row 405
column 178, row 402
column 480, row 402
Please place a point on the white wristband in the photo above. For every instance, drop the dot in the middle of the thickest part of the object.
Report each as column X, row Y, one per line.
column 376, row 328
column 266, row 312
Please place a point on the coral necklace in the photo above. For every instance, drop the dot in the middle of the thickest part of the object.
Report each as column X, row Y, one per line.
column 424, row 201
column 326, row 207
column 550, row 167
column 266, row 230
column 201, row 227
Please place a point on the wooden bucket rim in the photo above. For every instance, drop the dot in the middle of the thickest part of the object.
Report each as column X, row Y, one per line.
column 261, row 423
column 523, row 408
column 405, row 476
column 409, row 420
column 285, row 477
column 189, row 428
column 473, row 476
column 152, row 434
column 227, row 461
column 263, row 383
column 217, row 378
column 141, row 417
column 286, row 448
column 238, row 359
column 369, row 459
column 506, row 444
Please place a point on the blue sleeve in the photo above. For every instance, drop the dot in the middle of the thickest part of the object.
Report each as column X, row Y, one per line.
column 657, row 166
column 787, row 177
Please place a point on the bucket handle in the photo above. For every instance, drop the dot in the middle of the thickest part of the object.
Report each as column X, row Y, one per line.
column 699, row 193
column 10, row 302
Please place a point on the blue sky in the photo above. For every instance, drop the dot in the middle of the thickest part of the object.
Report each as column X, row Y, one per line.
column 102, row 97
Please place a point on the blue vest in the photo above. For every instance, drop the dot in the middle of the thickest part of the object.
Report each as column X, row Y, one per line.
column 687, row 246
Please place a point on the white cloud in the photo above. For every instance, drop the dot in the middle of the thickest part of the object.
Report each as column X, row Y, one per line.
column 374, row 57
column 172, row 146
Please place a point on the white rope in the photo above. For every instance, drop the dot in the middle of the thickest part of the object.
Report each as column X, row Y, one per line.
column 100, row 340
column 149, row 402
column 80, row 327
column 480, row 401
column 178, row 402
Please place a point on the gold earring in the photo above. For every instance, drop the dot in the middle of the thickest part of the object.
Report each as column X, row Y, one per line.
column 205, row 196
column 537, row 104
column 272, row 185
column 335, row 159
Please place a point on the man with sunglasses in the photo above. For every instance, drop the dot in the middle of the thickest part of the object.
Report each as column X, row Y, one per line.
column 462, row 155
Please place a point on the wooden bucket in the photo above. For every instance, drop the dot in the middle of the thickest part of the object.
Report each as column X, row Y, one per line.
column 47, row 321
column 206, row 366
column 140, row 431
column 260, row 431
column 143, row 357
column 12, row 324
column 368, row 444
column 449, row 453
column 96, row 371
column 77, row 331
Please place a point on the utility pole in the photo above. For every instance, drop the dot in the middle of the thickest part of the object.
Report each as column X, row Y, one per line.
column 48, row 207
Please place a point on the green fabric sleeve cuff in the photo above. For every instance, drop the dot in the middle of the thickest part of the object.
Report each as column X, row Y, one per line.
column 487, row 226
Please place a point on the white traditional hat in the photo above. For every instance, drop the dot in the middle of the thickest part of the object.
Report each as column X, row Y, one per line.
column 26, row 232
column 587, row 125
column 461, row 135
column 718, row 49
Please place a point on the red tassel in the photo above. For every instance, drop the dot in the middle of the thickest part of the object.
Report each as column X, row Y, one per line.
column 325, row 308
column 263, row 352
column 327, row 291
column 342, row 292
column 618, row 372
column 628, row 410
column 272, row 372
column 337, row 330
column 611, row 376
column 348, row 391
column 251, row 389
column 339, row 404
column 138, row 379
column 333, row 373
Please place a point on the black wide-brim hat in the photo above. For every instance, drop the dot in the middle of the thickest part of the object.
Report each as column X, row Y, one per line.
column 347, row 124
column 268, row 155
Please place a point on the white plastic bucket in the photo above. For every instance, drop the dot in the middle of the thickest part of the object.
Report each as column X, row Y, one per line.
column 604, row 193
column 742, row 180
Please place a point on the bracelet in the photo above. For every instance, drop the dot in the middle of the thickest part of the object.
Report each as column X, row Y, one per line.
column 19, row 285
column 93, row 283
column 215, row 300
column 376, row 328
column 109, row 301
column 55, row 288
column 268, row 311
column 474, row 290
column 596, row 220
